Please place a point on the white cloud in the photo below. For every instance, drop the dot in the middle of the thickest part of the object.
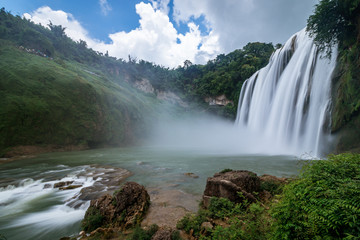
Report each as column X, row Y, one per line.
column 155, row 40
column 162, row 5
column 237, row 22
column 73, row 29
column 231, row 24
column 105, row 7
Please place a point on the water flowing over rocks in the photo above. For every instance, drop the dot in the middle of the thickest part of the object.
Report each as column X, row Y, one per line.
column 107, row 181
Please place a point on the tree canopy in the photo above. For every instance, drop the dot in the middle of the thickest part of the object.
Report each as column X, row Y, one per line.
column 333, row 21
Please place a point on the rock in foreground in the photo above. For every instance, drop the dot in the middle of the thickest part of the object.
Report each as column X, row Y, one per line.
column 229, row 184
column 126, row 208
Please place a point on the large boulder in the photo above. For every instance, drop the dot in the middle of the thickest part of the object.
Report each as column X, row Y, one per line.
column 229, row 184
column 163, row 234
column 124, row 209
column 131, row 203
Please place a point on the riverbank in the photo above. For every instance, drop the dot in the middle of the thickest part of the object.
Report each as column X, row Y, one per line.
column 32, row 151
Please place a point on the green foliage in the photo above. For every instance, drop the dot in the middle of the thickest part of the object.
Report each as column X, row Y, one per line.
column 253, row 224
column 347, row 101
column 223, row 75
column 175, row 235
column 61, row 101
column 223, row 208
column 334, row 21
column 141, row 234
column 323, row 203
column 272, row 187
column 242, row 223
column 92, row 220
column 193, row 222
column 234, row 231
column 226, row 170
column 338, row 21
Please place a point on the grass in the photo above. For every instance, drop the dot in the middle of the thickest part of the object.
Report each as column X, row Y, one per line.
column 45, row 102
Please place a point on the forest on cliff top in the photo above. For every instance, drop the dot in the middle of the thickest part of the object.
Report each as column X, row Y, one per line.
column 59, row 92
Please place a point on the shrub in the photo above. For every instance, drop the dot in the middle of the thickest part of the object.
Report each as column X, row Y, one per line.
column 232, row 232
column 92, row 220
column 252, row 224
column 223, row 207
column 141, row 234
column 226, row 170
column 323, row 203
column 192, row 222
column 272, row 187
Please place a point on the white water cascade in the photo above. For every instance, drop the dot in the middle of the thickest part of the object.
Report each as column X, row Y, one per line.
column 287, row 104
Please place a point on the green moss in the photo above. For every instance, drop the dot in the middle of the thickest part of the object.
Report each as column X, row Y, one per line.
column 92, row 220
column 226, row 170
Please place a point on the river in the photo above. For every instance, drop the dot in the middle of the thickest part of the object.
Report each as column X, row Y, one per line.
column 31, row 208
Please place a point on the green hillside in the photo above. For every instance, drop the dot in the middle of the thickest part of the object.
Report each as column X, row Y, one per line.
column 54, row 91
column 44, row 102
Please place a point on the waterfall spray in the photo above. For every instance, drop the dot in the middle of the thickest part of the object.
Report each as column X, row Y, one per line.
column 288, row 102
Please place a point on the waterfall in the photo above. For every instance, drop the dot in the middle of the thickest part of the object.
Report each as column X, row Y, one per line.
column 287, row 104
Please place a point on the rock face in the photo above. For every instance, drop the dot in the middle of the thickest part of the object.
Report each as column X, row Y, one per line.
column 163, row 234
column 218, row 100
column 229, row 184
column 132, row 202
column 171, row 98
column 144, row 85
column 123, row 210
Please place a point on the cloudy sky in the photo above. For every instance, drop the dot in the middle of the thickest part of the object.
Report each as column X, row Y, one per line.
column 168, row 32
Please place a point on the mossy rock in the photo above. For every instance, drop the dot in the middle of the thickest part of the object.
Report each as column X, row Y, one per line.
column 125, row 209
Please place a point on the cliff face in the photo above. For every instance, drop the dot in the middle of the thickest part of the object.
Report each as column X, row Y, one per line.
column 220, row 100
column 346, row 95
column 145, row 86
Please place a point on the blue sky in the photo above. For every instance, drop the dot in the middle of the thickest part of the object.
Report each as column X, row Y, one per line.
column 168, row 32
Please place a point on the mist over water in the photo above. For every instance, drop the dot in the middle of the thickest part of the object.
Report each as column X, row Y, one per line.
column 284, row 109
column 205, row 134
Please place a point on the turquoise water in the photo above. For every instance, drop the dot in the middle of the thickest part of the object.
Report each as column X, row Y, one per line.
column 30, row 209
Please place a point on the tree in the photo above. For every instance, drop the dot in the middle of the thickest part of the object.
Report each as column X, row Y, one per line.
column 58, row 30
column 187, row 64
column 82, row 44
column 334, row 21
